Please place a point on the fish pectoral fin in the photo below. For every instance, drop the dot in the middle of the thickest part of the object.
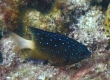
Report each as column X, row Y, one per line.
column 25, row 53
column 46, row 62
column 33, row 54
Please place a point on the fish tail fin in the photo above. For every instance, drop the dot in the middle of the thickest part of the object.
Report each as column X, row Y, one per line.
column 19, row 42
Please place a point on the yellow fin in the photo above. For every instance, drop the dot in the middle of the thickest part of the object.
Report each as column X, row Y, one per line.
column 20, row 43
column 107, row 22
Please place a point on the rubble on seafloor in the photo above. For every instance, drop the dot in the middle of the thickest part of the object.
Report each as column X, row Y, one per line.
column 85, row 24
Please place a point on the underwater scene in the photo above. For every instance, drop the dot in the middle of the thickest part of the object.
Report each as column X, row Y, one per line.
column 54, row 39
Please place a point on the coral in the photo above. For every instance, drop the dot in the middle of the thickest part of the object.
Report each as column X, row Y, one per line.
column 98, row 66
column 43, row 21
column 107, row 22
column 19, row 14
column 84, row 4
column 40, row 72
column 89, row 25
column 8, row 56
column 51, row 21
column 13, row 67
column 88, row 30
column 10, row 13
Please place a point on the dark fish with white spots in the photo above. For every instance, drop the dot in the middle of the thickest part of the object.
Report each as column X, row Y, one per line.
column 58, row 49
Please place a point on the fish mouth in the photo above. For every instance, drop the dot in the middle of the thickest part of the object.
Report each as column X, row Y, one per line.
column 88, row 55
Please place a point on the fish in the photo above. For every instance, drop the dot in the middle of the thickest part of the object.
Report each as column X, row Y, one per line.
column 106, row 22
column 57, row 49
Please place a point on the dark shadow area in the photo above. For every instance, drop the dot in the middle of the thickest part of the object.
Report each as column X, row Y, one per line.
column 44, row 6
column 104, row 3
column 1, row 58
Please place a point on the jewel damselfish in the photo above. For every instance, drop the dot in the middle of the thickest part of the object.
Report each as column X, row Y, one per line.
column 58, row 49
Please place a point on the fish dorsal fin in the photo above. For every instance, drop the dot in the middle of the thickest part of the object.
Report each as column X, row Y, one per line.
column 38, row 33
column 34, row 30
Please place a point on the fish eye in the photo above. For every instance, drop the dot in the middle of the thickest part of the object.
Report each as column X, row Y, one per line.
column 82, row 54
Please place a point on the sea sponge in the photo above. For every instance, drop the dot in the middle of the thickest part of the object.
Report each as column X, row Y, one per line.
column 107, row 22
